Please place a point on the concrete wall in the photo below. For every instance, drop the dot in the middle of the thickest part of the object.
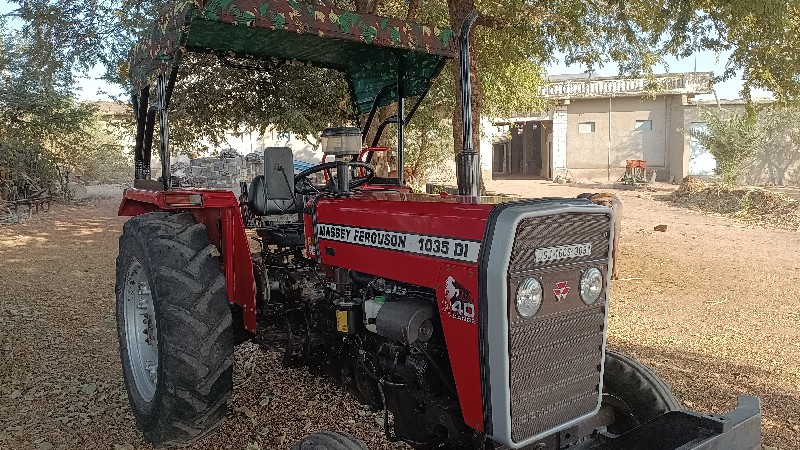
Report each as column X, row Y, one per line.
column 602, row 154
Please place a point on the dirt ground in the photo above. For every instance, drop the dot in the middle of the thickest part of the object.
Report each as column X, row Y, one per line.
column 714, row 307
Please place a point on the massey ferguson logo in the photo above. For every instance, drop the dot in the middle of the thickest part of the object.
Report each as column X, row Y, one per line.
column 458, row 303
column 561, row 291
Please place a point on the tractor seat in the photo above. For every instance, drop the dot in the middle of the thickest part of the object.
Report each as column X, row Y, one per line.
column 273, row 192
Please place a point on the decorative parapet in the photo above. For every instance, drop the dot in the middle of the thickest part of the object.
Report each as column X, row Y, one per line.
column 603, row 87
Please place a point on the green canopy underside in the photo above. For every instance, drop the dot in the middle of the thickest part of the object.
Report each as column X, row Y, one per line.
column 367, row 67
column 371, row 51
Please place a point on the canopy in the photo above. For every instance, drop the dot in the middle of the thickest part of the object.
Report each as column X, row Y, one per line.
column 371, row 51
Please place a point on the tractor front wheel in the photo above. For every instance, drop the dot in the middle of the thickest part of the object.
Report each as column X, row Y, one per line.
column 174, row 327
column 330, row 440
column 635, row 392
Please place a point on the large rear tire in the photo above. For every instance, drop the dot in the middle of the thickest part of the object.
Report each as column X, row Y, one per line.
column 330, row 440
column 636, row 393
column 174, row 326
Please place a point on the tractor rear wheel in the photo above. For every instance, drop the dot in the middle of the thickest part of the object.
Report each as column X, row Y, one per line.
column 635, row 392
column 174, row 327
column 330, row 440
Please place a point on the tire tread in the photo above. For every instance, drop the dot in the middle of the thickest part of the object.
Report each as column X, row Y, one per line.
column 643, row 390
column 197, row 362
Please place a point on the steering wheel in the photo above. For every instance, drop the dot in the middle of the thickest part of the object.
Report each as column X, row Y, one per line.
column 304, row 185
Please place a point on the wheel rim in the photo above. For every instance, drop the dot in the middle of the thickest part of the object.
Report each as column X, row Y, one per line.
column 624, row 418
column 140, row 330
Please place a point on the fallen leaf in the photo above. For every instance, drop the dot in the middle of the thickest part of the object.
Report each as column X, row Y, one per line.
column 89, row 389
column 246, row 411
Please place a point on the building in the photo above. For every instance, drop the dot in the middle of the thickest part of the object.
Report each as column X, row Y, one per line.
column 595, row 124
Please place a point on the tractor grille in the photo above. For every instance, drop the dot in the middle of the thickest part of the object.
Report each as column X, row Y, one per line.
column 555, row 357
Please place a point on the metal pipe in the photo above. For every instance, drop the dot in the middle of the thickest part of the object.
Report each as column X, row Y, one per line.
column 147, row 144
column 378, row 98
column 400, row 122
column 166, row 175
column 376, row 140
column 467, row 162
column 140, row 106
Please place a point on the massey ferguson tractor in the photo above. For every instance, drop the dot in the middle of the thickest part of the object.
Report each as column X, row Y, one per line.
column 477, row 326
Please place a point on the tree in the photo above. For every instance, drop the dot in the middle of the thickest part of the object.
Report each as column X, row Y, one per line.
column 45, row 135
column 732, row 137
column 780, row 149
column 512, row 43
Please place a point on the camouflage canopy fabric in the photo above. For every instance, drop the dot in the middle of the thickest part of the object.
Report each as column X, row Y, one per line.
column 369, row 50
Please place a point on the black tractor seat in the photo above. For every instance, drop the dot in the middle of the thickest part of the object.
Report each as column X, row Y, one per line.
column 273, row 192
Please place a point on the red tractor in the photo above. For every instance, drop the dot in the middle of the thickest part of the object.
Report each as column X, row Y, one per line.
column 478, row 326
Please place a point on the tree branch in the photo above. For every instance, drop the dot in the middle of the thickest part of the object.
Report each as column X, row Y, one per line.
column 413, row 9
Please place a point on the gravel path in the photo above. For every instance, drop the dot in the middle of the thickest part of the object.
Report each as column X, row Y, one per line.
column 714, row 307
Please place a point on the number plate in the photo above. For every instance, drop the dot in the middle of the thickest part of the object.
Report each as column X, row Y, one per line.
column 562, row 252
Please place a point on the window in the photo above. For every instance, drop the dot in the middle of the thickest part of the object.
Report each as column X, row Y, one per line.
column 284, row 136
column 643, row 125
column 586, row 127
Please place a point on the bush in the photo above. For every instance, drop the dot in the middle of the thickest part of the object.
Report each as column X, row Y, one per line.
column 732, row 137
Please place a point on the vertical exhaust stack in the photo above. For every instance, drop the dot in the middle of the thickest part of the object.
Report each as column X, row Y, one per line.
column 467, row 161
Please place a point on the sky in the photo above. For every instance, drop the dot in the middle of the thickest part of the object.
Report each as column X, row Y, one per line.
column 91, row 87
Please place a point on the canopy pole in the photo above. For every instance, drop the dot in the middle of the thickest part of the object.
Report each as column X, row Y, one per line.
column 147, row 143
column 165, row 86
column 140, row 103
column 467, row 161
column 161, row 106
column 400, row 123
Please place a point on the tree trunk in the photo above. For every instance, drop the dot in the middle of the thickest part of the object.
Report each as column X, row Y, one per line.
column 458, row 11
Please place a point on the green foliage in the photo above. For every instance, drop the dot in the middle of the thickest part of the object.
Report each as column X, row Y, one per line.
column 211, row 98
column 513, row 43
column 429, row 141
column 759, row 142
column 45, row 135
column 732, row 137
column 780, row 149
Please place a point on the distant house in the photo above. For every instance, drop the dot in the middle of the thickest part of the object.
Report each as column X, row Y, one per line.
column 596, row 123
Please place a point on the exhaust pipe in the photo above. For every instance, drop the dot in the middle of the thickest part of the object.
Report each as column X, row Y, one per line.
column 467, row 161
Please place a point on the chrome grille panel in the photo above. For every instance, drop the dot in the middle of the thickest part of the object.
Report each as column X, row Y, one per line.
column 549, row 231
column 555, row 357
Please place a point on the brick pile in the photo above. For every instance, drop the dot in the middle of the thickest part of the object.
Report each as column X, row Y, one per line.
column 224, row 172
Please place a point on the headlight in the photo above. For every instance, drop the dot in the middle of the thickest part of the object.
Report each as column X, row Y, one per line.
column 591, row 285
column 529, row 297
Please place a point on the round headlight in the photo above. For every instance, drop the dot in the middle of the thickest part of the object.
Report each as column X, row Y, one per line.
column 591, row 285
column 529, row 297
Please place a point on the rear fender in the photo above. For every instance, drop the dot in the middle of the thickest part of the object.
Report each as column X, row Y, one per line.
column 219, row 212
